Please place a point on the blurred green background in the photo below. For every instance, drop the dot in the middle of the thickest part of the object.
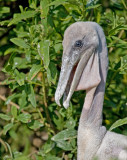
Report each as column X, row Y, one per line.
column 32, row 126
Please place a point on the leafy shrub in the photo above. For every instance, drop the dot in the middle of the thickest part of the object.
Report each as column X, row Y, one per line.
column 32, row 126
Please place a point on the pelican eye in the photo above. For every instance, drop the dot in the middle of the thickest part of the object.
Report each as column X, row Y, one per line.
column 78, row 44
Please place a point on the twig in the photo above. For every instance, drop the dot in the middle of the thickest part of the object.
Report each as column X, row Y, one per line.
column 120, row 35
column 4, row 83
column 32, row 153
column 124, row 4
column 4, row 144
column 45, row 101
column 11, row 103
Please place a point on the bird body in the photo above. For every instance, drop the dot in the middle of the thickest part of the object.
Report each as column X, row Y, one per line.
column 84, row 67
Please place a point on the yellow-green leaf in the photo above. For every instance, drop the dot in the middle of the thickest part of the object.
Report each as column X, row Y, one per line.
column 19, row 42
column 118, row 123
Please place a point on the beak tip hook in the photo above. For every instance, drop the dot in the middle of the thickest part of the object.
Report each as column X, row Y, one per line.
column 66, row 104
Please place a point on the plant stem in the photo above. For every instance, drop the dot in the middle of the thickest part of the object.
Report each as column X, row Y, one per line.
column 124, row 4
column 11, row 103
column 45, row 101
column 4, row 144
column 113, row 76
column 119, row 36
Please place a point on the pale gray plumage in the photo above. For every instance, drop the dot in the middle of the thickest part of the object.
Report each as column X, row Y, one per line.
column 84, row 67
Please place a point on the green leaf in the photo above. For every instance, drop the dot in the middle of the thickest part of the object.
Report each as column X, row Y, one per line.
column 19, row 77
column 7, row 128
column 14, row 111
column 57, row 3
column 43, row 49
column 34, row 71
column 11, row 50
column 19, row 42
column 59, row 121
column 65, row 135
column 52, row 157
column 10, row 98
column 22, row 34
column 17, row 154
column 94, row 6
column 19, row 63
column 44, row 7
column 31, row 96
column 9, row 149
column 22, row 158
column 4, row 10
column 5, row 22
column 24, row 15
column 48, row 146
column 64, row 139
column 65, row 145
column 118, row 123
column 5, row 117
column 32, row 4
column 52, row 73
column 22, row 100
column 34, row 124
column 116, row 29
column 71, row 123
column 24, row 117
column 123, row 67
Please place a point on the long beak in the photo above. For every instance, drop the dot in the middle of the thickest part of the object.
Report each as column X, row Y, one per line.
column 66, row 70
column 63, row 80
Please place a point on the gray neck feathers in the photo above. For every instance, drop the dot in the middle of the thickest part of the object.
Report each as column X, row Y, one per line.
column 94, row 114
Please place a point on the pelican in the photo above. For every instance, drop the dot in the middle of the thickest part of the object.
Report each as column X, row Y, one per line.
column 84, row 67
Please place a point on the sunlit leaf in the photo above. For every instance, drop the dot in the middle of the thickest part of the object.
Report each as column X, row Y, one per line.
column 94, row 6
column 44, row 7
column 24, row 117
column 43, row 49
column 7, row 128
column 22, row 100
column 20, row 16
column 20, row 63
column 33, row 71
column 65, row 145
column 11, row 50
column 123, row 68
column 52, row 157
column 5, row 117
column 19, row 42
column 19, row 77
column 34, row 124
column 64, row 135
column 32, row 96
column 4, row 10
column 57, row 3
column 118, row 123
column 14, row 111
column 13, row 96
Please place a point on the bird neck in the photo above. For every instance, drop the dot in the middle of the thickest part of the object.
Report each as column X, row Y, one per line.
column 90, row 131
column 92, row 109
column 93, row 105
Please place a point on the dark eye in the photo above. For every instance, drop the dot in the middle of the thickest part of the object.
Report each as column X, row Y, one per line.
column 78, row 44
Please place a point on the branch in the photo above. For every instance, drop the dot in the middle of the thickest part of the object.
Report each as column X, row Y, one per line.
column 45, row 102
column 4, row 144
column 11, row 103
column 119, row 36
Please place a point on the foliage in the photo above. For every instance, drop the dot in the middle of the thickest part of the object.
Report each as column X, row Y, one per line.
column 32, row 126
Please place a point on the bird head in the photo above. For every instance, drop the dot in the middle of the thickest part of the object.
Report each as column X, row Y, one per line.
column 80, row 61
